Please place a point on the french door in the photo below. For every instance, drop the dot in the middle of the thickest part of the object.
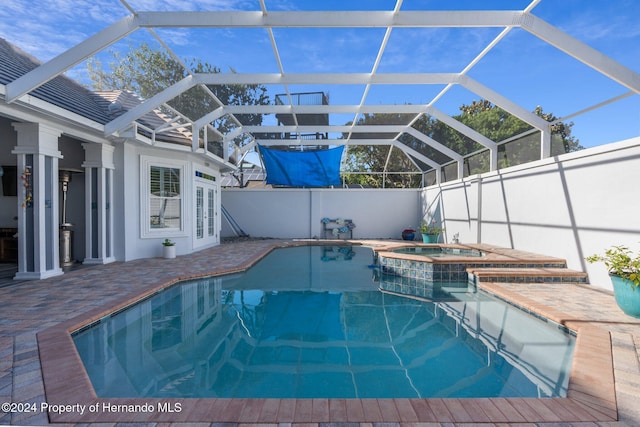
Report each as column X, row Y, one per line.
column 206, row 220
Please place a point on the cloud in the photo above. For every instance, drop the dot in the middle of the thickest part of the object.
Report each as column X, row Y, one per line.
column 434, row 49
column 57, row 25
column 175, row 36
column 282, row 5
column 61, row 24
column 182, row 5
column 611, row 21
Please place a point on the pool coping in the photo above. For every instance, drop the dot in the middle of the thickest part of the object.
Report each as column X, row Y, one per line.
column 491, row 254
column 591, row 391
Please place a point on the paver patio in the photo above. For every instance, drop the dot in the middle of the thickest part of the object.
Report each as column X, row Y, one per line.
column 41, row 307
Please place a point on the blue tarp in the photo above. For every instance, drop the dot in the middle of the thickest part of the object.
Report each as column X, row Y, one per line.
column 319, row 168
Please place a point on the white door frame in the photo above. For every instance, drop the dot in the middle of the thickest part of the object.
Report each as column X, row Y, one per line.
column 206, row 221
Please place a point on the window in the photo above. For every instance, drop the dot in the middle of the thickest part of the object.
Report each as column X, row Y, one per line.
column 162, row 212
column 164, row 197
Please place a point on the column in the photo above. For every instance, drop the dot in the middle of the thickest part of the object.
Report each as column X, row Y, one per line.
column 38, row 233
column 99, row 168
column 460, row 165
column 493, row 158
column 545, row 143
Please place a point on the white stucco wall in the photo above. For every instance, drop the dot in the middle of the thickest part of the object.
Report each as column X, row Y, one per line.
column 8, row 204
column 297, row 213
column 71, row 158
column 130, row 242
column 571, row 206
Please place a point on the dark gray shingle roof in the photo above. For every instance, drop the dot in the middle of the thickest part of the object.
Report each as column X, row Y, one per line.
column 61, row 91
column 71, row 96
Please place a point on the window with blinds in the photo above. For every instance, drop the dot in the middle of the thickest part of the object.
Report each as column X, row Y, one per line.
column 165, row 198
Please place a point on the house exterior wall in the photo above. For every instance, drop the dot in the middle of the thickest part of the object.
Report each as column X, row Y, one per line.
column 73, row 156
column 8, row 204
column 128, row 240
column 130, row 195
column 297, row 213
column 571, row 206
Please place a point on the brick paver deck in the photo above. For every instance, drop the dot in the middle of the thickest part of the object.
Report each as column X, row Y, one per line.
column 34, row 318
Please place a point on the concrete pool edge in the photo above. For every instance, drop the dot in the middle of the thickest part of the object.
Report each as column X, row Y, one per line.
column 592, row 381
column 591, row 396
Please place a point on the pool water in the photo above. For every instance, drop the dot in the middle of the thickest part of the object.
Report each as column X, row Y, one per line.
column 310, row 322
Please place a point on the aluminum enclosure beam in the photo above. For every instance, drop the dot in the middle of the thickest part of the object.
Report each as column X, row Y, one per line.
column 433, row 143
column 331, row 142
column 215, row 115
column 326, row 78
column 507, row 105
column 141, row 109
column 462, row 128
column 419, row 156
column 582, row 52
column 324, row 129
column 325, row 109
column 330, row 19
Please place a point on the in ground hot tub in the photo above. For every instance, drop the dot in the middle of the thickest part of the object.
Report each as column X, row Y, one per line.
column 426, row 271
column 439, row 251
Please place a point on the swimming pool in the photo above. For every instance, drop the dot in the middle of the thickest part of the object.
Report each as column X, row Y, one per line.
column 311, row 322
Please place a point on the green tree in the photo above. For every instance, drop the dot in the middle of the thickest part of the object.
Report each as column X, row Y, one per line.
column 563, row 142
column 146, row 72
column 498, row 125
column 364, row 160
column 487, row 119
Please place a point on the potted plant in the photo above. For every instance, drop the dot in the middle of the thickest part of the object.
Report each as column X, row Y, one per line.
column 430, row 231
column 624, row 269
column 408, row 234
column 168, row 249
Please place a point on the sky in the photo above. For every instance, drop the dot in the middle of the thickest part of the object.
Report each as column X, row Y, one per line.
column 521, row 67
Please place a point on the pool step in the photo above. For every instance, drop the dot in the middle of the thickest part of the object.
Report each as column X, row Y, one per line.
column 527, row 275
